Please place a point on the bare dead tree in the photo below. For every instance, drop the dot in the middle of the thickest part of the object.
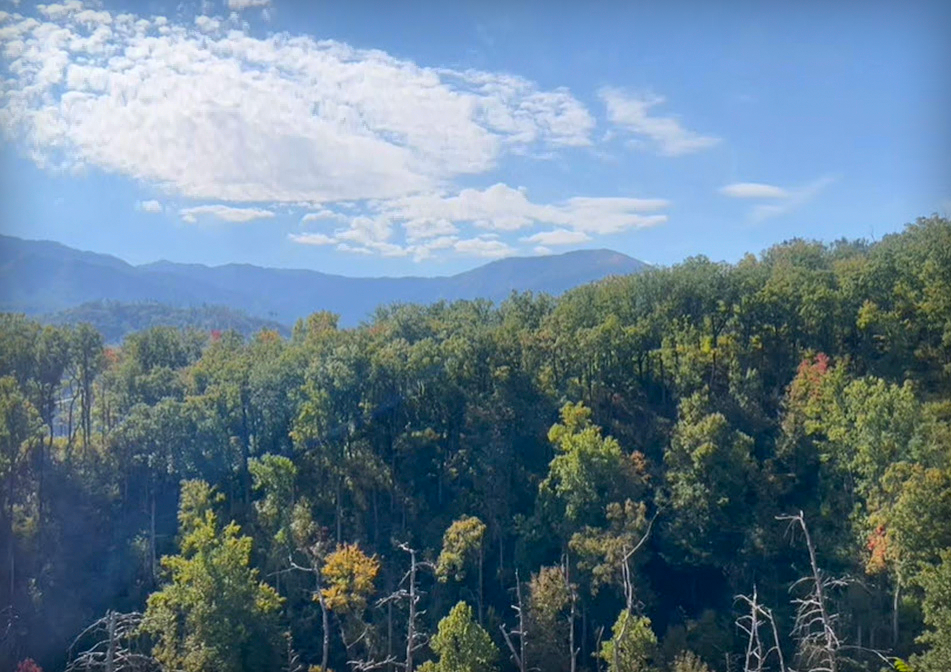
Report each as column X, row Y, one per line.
column 415, row 638
column 573, row 601
column 293, row 659
column 315, row 554
column 597, row 647
column 627, row 578
column 757, row 654
column 517, row 655
column 626, row 575
column 815, row 625
column 115, row 646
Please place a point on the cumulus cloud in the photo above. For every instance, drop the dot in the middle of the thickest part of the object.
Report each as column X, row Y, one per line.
column 367, row 145
column 208, row 112
column 224, row 213
column 484, row 247
column 320, row 215
column 633, row 114
column 503, row 208
column 782, row 201
column 753, row 190
column 430, row 222
column 149, row 206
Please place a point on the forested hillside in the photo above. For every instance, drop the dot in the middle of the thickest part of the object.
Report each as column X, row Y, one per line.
column 114, row 320
column 709, row 467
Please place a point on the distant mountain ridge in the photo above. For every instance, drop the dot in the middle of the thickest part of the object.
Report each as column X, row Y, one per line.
column 43, row 277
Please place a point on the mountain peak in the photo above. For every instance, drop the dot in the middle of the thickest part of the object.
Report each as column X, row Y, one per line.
column 39, row 277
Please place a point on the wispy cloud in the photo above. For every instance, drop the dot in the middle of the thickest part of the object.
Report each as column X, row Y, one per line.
column 632, row 113
column 224, row 213
column 149, row 206
column 312, row 238
column 239, row 5
column 782, row 201
column 753, row 190
column 557, row 237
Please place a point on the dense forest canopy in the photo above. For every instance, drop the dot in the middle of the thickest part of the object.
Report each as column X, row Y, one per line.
column 115, row 320
column 712, row 466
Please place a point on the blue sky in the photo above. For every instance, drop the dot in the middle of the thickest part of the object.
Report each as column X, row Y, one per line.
column 424, row 138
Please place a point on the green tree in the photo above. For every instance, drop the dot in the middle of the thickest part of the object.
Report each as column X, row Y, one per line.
column 273, row 476
column 588, row 472
column 461, row 544
column 461, row 644
column 213, row 615
column 633, row 645
column 709, row 471
column 936, row 583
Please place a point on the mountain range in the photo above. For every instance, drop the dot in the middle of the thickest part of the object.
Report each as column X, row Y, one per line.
column 43, row 278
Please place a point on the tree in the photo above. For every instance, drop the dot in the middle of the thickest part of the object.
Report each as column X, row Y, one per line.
column 587, row 472
column 688, row 661
column 816, row 628
column 462, row 540
column 87, row 358
column 20, row 429
column 633, row 645
column 709, row 469
column 551, row 597
column 348, row 576
column 273, row 477
column 213, row 615
column 461, row 644
column 936, row 605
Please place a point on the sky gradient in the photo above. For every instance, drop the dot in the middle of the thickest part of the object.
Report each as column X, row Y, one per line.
column 374, row 138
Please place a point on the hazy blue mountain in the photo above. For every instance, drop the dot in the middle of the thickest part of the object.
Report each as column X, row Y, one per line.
column 40, row 277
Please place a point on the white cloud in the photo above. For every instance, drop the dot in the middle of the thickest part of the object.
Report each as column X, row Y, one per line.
column 224, row 213
column 632, row 113
column 312, row 238
column 484, row 247
column 432, row 222
column 502, row 208
column 208, row 112
column 795, row 199
column 541, row 250
column 753, row 190
column 558, row 237
column 322, row 215
column 239, row 5
column 149, row 206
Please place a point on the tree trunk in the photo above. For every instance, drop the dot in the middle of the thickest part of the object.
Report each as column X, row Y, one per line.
column 523, row 635
column 895, row 604
column 411, row 625
column 111, row 651
column 481, row 563
column 154, row 563
column 325, row 625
